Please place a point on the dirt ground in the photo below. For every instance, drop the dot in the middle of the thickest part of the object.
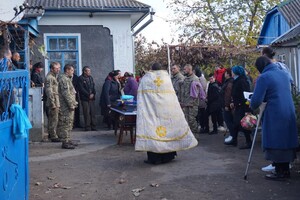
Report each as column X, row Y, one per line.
column 101, row 170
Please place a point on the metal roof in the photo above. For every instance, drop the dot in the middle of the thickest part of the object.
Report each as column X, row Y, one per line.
column 87, row 4
column 293, row 33
column 34, row 11
column 291, row 11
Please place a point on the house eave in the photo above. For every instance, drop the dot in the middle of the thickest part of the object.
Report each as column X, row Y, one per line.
column 96, row 10
column 293, row 42
column 145, row 12
column 281, row 40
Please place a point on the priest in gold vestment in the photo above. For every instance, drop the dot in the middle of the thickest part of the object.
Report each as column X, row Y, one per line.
column 161, row 128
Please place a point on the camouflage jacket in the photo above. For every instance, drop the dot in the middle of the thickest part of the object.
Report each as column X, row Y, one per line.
column 51, row 90
column 185, row 98
column 177, row 79
column 67, row 94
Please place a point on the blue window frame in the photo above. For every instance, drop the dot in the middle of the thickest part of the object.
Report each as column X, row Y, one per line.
column 63, row 49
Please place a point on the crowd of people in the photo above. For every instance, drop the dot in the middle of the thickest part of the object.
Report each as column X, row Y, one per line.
column 66, row 95
column 220, row 98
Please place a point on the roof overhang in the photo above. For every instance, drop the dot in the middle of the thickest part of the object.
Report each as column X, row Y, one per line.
column 32, row 15
column 137, row 15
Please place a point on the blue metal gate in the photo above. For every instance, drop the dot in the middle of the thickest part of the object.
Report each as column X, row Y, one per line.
column 14, row 173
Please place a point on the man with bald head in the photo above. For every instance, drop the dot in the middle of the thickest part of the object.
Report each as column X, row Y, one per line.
column 188, row 102
column 16, row 60
column 177, row 78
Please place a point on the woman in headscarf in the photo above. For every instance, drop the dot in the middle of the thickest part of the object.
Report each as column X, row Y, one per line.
column 131, row 85
column 109, row 95
column 279, row 129
column 239, row 107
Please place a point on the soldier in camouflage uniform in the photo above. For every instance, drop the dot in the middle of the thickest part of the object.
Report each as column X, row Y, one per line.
column 189, row 104
column 177, row 78
column 67, row 98
column 52, row 100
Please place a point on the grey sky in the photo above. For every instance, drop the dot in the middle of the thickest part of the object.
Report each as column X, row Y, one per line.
column 159, row 28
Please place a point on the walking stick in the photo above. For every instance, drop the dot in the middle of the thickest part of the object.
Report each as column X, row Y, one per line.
column 261, row 110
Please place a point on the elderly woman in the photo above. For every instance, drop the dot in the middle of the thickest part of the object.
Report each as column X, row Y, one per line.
column 279, row 130
column 109, row 95
column 240, row 84
column 131, row 85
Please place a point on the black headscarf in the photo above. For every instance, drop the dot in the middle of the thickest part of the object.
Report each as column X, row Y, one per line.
column 156, row 66
column 261, row 62
column 198, row 72
column 114, row 73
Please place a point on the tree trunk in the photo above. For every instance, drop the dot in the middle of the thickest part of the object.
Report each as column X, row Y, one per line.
column 217, row 21
column 250, row 28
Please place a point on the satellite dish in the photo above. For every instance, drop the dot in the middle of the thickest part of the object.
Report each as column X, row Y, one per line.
column 7, row 12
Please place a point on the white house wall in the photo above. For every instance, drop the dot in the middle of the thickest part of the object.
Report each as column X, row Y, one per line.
column 120, row 28
column 291, row 59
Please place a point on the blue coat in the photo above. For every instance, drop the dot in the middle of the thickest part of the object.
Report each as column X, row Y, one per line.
column 279, row 118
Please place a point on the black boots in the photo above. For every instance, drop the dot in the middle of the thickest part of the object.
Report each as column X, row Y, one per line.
column 247, row 145
column 282, row 172
column 204, row 130
column 213, row 132
column 68, row 145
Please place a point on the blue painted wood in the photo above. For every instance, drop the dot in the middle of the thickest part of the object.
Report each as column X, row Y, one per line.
column 14, row 173
column 274, row 26
column 25, row 105
column 31, row 25
column 13, row 164
column 63, row 51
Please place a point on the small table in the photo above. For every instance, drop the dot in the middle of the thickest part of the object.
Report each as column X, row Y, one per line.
column 125, row 119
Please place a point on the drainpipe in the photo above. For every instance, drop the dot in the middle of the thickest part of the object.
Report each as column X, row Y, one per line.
column 169, row 59
column 152, row 12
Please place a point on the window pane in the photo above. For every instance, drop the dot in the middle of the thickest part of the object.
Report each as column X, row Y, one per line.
column 70, row 55
column 71, row 62
column 52, row 44
column 62, row 43
column 72, row 43
column 55, row 55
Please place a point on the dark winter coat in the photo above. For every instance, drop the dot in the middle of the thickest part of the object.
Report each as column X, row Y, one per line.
column 37, row 79
column 86, row 87
column 110, row 93
column 213, row 97
column 226, row 92
column 239, row 86
column 279, row 119
column 75, row 81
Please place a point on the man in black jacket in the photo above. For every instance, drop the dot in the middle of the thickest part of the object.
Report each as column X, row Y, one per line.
column 75, row 81
column 87, row 94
